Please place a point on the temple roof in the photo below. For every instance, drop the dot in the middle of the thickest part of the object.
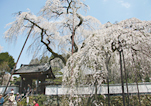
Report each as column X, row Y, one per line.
column 32, row 68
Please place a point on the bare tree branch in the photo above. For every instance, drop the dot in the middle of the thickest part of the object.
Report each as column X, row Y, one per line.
column 43, row 31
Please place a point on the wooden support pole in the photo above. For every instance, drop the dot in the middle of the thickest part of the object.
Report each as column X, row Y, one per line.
column 18, row 59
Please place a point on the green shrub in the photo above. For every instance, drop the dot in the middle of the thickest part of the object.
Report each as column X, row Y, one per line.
column 87, row 100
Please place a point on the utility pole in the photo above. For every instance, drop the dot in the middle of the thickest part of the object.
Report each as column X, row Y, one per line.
column 107, row 64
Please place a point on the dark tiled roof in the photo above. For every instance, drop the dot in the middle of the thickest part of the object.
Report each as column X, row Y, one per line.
column 32, row 68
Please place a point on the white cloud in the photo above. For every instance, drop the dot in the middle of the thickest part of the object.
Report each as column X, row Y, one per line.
column 1, row 48
column 125, row 4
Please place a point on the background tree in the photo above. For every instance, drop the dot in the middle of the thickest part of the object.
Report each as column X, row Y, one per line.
column 56, row 66
column 16, row 80
column 6, row 64
column 34, row 61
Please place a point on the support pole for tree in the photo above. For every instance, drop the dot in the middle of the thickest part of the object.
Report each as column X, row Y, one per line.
column 121, row 68
column 136, row 80
column 119, row 49
column 108, row 89
column 125, row 78
column 138, row 89
column 123, row 95
column 107, row 64
column 95, row 84
column 18, row 59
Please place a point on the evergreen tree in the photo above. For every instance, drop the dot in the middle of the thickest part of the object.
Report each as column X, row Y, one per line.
column 6, row 62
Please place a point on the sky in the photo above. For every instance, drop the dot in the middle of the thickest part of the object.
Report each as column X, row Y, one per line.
column 104, row 10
